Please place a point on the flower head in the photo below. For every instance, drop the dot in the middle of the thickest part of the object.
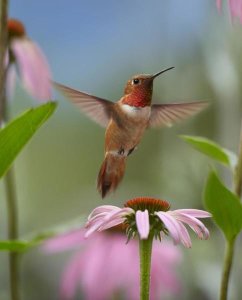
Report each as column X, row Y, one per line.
column 149, row 216
column 235, row 7
column 30, row 62
column 90, row 266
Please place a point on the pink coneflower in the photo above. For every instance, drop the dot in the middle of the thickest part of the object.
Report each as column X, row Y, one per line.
column 30, row 62
column 106, row 266
column 147, row 216
column 235, row 7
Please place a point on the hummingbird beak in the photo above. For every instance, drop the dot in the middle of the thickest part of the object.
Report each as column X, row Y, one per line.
column 163, row 71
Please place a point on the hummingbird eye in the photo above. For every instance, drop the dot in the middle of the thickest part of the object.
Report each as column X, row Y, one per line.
column 135, row 81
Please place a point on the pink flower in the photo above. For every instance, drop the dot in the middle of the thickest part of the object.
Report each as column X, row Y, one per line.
column 143, row 215
column 235, row 7
column 106, row 266
column 29, row 61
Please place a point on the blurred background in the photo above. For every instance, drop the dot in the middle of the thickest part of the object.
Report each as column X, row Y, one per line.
column 96, row 46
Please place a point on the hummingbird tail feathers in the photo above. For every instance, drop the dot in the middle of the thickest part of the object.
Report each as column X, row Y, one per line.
column 111, row 173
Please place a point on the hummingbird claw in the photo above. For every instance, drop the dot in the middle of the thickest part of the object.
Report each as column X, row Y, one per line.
column 121, row 151
column 131, row 150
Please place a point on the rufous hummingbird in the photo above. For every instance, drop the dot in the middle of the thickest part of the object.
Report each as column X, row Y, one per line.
column 126, row 121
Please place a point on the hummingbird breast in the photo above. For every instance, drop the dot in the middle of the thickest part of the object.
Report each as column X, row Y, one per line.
column 126, row 128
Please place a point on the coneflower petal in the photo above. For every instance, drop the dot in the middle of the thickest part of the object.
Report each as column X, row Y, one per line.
column 102, row 209
column 197, row 213
column 142, row 223
column 196, row 225
column 33, row 68
column 93, row 228
column 111, row 223
column 106, row 217
column 184, row 235
column 171, row 224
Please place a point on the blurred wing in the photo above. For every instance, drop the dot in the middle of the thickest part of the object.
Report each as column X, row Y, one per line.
column 168, row 114
column 98, row 109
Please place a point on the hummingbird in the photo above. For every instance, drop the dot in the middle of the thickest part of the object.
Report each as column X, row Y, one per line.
column 126, row 121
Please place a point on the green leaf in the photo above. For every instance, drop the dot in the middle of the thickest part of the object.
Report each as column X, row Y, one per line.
column 23, row 245
column 16, row 246
column 224, row 206
column 17, row 133
column 212, row 150
column 35, row 239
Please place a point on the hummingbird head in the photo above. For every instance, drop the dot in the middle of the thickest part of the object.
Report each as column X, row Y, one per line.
column 138, row 90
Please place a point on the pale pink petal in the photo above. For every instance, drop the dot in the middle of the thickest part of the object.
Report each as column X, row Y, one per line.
column 64, row 242
column 197, row 213
column 184, row 235
column 171, row 224
column 33, row 68
column 102, row 209
column 95, row 219
column 111, row 223
column 106, row 221
column 100, row 213
column 142, row 223
column 115, row 218
column 10, row 81
column 235, row 7
column 70, row 277
column 219, row 4
column 119, row 213
column 94, row 282
column 6, row 59
column 92, row 228
column 103, row 220
column 120, row 262
column 128, row 258
column 166, row 252
column 195, row 224
column 99, row 269
column 10, row 77
column 164, row 283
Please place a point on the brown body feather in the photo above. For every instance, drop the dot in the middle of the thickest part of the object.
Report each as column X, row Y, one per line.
column 123, row 134
column 111, row 173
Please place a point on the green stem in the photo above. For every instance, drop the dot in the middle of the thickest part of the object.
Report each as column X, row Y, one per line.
column 229, row 254
column 9, row 181
column 3, row 50
column 12, row 233
column 228, row 260
column 238, row 169
column 145, row 249
column 12, row 225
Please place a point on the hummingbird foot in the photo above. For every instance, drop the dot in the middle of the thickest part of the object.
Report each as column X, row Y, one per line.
column 121, row 151
column 131, row 150
column 124, row 152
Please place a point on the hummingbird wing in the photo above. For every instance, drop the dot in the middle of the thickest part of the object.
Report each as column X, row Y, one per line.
column 168, row 114
column 98, row 109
